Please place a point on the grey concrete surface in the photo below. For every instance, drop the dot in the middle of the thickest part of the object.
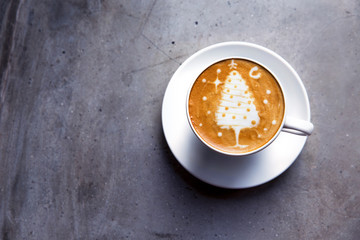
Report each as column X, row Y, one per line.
column 82, row 152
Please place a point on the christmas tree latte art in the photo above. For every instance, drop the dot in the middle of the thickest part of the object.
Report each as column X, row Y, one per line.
column 236, row 106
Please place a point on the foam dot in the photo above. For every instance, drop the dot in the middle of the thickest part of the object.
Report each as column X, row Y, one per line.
column 204, row 80
column 259, row 136
column 219, row 134
column 273, row 122
column 200, row 124
column 218, row 71
column 268, row 91
column 266, row 101
column 208, row 112
column 265, row 129
column 204, row 98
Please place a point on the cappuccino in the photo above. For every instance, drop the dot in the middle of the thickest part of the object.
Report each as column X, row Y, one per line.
column 236, row 106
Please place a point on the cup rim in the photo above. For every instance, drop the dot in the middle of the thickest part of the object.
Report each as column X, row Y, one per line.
column 231, row 153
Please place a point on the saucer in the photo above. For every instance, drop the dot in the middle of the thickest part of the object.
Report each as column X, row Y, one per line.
column 231, row 171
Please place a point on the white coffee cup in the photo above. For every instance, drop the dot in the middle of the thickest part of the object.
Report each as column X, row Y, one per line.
column 289, row 124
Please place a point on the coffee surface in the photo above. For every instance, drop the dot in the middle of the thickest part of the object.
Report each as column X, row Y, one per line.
column 236, row 106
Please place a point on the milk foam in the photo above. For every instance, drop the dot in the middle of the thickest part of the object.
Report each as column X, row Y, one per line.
column 251, row 73
column 236, row 109
column 226, row 102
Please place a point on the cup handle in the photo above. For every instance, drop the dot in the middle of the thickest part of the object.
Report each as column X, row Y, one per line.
column 298, row 126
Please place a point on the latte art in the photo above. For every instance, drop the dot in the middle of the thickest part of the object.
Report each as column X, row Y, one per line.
column 236, row 106
column 236, row 109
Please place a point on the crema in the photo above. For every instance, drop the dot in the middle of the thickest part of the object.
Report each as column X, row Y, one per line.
column 236, row 106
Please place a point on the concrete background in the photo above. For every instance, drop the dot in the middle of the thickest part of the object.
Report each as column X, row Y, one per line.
column 82, row 152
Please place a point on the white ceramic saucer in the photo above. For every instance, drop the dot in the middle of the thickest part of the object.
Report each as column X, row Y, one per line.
column 215, row 168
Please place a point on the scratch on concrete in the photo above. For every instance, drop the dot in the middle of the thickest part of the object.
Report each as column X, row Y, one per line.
column 160, row 50
column 154, row 65
column 7, row 45
column 141, row 29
